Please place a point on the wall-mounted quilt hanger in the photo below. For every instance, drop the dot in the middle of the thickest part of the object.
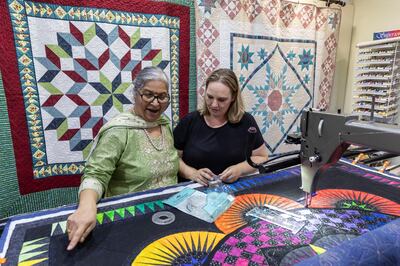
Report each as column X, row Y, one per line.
column 337, row 2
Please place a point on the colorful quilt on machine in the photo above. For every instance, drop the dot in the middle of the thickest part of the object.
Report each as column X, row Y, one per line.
column 282, row 52
column 68, row 67
column 351, row 201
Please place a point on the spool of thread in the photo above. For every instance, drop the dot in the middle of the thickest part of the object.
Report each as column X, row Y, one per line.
column 384, row 166
column 359, row 157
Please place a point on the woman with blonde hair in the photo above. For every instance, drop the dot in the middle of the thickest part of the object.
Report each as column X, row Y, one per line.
column 213, row 140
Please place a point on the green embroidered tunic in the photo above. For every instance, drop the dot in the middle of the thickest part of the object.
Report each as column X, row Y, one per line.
column 124, row 160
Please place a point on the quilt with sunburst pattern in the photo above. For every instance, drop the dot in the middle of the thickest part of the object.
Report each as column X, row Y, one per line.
column 354, row 206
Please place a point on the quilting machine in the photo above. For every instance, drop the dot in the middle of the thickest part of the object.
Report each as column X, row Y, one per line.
column 325, row 137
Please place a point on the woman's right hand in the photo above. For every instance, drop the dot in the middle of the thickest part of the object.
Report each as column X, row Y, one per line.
column 202, row 176
column 83, row 220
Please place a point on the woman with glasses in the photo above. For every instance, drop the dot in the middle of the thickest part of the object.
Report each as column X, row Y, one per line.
column 213, row 141
column 133, row 152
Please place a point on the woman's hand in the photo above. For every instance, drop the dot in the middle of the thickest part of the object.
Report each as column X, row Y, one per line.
column 231, row 174
column 202, row 176
column 83, row 220
column 79, row 225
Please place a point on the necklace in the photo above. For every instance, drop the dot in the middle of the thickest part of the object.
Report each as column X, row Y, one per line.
column 213, row 124
column 158, row 148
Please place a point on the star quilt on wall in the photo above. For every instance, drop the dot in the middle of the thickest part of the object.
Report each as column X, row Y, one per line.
column 68, row 68
column 282, row 52
column 275, row 80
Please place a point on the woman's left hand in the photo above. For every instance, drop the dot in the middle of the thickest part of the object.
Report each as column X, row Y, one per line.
column 231, row 174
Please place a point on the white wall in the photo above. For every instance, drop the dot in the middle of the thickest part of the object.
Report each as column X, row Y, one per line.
column 369, row 16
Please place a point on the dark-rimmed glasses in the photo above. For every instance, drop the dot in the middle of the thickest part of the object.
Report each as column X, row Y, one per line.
column 150, row 97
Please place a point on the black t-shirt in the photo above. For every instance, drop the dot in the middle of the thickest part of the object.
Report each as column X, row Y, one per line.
column 215, row 148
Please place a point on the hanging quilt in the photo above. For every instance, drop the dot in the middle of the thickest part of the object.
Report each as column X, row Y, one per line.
column 67, row 69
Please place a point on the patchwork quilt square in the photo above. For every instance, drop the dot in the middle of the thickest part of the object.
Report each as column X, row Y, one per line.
column 69, row 68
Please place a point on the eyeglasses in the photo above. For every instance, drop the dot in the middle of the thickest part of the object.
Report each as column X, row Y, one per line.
column 150, row 97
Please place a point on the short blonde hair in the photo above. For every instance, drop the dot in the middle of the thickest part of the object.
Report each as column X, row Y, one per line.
column 229, row 79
